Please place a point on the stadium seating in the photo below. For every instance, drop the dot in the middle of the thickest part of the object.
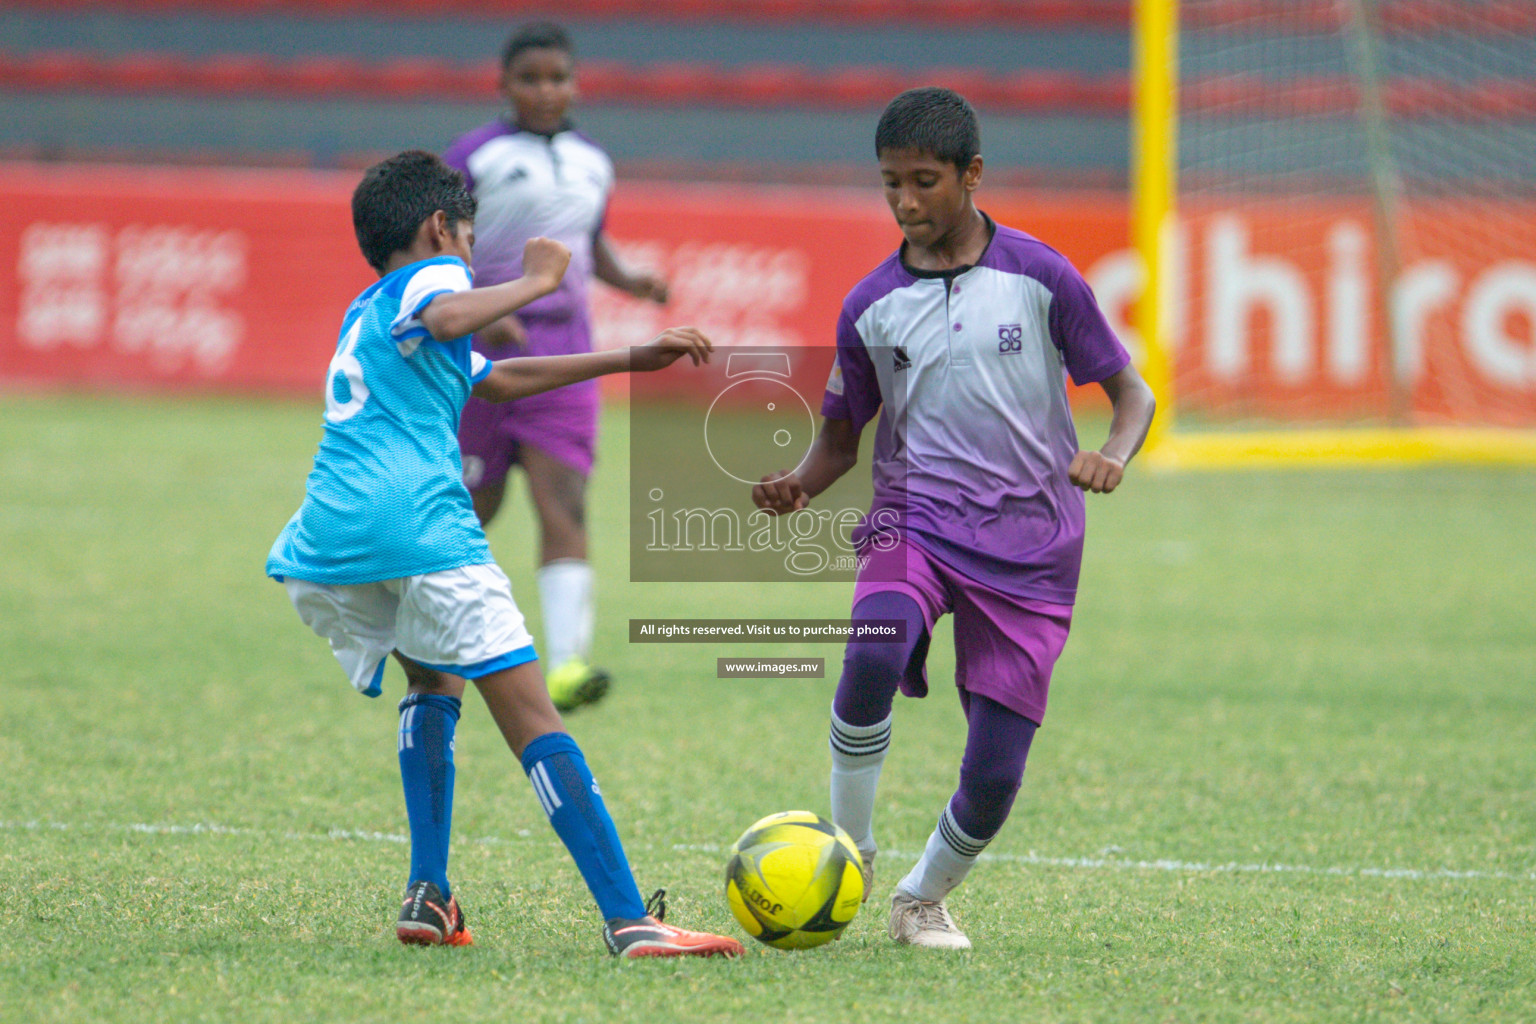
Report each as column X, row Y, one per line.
column 1318, row 15
column 799, row 82
column 775, row 88
column 756, row 85
column 1016, row 13
column 412, row 78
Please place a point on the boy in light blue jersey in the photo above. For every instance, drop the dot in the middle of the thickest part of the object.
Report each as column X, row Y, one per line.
column 386, row 555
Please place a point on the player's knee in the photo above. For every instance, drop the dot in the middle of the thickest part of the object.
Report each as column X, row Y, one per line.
column 421, row 679
column 562, row 514
column 991, row 787
column 574, row 512
column 875, row 662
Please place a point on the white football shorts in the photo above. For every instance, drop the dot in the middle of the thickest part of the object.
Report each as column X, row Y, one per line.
column 460, row 621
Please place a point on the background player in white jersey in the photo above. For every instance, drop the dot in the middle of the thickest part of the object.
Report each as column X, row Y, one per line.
column 386, row 555
column 959, row 340
column 535, row 175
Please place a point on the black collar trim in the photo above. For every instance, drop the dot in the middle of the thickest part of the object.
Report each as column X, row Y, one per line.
column 952, row 272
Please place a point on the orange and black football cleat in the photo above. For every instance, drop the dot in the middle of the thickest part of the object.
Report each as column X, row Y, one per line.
column 649, row 936
column 426, row 919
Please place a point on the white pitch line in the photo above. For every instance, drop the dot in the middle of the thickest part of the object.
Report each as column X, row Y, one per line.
column 1202, row 867
column 1088, row 863
column 1235, row 868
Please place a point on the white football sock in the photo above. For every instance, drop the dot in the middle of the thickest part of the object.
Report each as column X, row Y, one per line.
column 946, row 860
column 858, row 752
column 565, row 590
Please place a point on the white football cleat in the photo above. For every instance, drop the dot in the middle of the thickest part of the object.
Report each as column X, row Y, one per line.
column 924, row 923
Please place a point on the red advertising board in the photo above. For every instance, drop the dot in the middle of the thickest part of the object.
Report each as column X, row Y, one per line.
column 218, row 279
column 173, row 278
column 237, row 280
column 1280, row 316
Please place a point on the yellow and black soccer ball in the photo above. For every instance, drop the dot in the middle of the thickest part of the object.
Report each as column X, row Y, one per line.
column 795, row 880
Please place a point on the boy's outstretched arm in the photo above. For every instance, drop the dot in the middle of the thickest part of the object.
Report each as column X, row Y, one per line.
column 528, row 375
column 834, row 452
column 455, row 314
column 1133, row 402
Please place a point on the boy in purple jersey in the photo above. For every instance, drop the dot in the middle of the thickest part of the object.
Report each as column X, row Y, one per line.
column 960, row 340
column 535, row 175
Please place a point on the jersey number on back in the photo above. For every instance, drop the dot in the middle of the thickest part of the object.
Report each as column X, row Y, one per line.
column 345, row 391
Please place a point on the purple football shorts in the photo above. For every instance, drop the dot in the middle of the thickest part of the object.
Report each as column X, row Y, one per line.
column 561, row 423
column 1005, row 646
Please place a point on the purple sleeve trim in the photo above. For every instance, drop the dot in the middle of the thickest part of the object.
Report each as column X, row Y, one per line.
column 462, row 148
column 880, row 282
column 462, row 168
column 1104, row 370
column 457, row 157
column 1079, row 329
column 861, row 397
column 835, row 407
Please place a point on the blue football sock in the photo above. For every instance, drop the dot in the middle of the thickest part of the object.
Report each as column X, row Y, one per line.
column 575, row 807
column 426, row 768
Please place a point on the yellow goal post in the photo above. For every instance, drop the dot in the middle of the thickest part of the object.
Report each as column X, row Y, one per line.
column 1326, row 151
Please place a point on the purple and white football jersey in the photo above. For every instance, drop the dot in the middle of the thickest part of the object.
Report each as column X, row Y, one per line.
column 530, row 185
column 975, row 435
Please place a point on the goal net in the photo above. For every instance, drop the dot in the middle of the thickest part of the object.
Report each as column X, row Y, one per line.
column 1343, row 251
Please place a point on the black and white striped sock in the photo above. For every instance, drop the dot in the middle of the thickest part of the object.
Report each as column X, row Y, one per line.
column 946, row 860
column 858, row 752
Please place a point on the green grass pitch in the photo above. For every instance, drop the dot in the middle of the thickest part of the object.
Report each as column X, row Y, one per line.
column 1289, row 772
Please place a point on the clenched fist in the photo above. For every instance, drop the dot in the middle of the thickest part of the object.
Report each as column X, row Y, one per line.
column 780, row 493
column 544, row 261
column 1096, row 472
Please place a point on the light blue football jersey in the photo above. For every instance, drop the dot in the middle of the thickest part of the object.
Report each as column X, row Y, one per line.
column 386, row 498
